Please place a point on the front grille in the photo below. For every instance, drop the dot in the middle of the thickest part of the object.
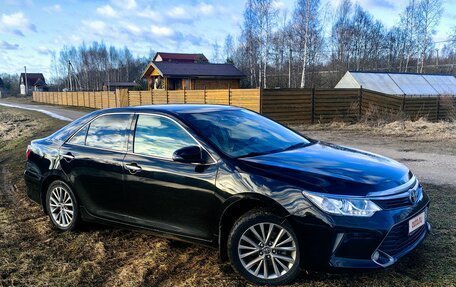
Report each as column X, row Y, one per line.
column 399, row 239
column 393, row 203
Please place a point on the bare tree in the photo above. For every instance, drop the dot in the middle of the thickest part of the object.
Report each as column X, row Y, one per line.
column 229, row 48
column 429, row 14
column 306, row 22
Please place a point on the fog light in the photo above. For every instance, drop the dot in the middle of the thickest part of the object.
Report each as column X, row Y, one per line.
column 375, row 256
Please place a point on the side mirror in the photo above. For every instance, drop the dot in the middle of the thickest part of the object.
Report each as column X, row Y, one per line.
column 190, row 154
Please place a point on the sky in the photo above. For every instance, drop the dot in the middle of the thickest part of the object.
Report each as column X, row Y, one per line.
column 31, row 30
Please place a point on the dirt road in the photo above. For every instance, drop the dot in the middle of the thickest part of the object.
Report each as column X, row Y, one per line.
column 57, row 112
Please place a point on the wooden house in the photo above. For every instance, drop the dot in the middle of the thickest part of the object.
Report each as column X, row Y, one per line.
column 32, row 82
column 172, row 71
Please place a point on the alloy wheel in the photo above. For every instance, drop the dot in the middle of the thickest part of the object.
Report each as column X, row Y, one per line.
column 267, row 250
column 61, row 206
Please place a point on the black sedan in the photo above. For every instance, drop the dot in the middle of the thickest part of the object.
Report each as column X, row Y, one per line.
column 270, row 199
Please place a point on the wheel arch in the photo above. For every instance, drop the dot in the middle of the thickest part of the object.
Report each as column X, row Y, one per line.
column 47, row 181
column 237, row 206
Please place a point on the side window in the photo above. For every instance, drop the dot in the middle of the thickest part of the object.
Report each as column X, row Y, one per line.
column 159, row 136
column 109, row 131
column 80, row 137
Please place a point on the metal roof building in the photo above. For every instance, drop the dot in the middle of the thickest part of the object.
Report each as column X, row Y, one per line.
column 400, row 83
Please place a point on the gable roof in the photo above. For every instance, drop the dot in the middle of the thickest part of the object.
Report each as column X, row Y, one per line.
column 34, row 79
column 400, row 83
column 179, row 57
column 194, row 70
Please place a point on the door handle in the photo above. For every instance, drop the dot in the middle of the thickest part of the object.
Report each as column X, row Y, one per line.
column 133, row 167
column 68, row 156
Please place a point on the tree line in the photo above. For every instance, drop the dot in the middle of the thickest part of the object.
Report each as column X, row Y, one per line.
column 314, row 45
column 87, row 67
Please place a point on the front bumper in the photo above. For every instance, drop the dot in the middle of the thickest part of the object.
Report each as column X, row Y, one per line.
column 355, row 242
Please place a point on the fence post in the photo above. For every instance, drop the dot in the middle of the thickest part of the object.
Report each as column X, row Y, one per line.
column 312, row 105
column 167, row 97
column 115, row 98
column 229, row 94
column 151, row 96
column 184, row 94
column 205, row 100
column 438, row 107
column 360, row 102
column 261, row 101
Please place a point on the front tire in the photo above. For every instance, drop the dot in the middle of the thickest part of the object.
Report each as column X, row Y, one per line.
column 62, row 206
column 264, row 249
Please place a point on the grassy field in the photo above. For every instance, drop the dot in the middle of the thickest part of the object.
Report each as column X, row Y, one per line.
column 32, row 253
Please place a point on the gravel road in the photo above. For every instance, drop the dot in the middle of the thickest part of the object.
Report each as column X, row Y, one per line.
column 436, row 167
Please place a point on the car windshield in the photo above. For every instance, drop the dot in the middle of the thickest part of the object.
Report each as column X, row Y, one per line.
column 242, row 133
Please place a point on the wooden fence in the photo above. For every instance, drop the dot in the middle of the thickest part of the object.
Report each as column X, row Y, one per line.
column 297, row 106
column 247, row 98
column 290, row 106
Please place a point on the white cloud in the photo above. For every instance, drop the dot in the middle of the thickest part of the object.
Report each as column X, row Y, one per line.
column 125, row 4
column 53, row 9
column 107, row 11
column 149, row 13
column 178, row 12
column 132, row 28
column 15, row 20
column 44, row 50
column 206, row 8
column 98, row 26
column 161, row 31
column 15, row 23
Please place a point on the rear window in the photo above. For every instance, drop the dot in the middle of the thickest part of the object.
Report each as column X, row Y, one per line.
column 109, row 132
column 64, row 133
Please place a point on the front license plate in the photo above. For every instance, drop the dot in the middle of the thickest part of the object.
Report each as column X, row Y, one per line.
column 416, row 222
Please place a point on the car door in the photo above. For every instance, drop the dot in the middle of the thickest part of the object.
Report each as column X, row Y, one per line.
column 93, row 160
column 171, row 196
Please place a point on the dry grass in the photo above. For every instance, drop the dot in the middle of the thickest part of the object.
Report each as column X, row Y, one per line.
column 420, row 128
column 32, row 253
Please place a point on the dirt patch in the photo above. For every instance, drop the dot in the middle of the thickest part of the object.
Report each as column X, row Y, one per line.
column 14, row 125
column 422, row 129
column 32, row 253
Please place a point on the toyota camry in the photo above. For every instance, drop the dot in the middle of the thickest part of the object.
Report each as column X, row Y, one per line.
column 270, row 199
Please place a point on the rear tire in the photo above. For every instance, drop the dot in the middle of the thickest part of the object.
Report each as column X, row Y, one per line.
column 62, row 206
column 264, row 249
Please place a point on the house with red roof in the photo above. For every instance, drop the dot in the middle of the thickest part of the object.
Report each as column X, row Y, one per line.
column 178, row 71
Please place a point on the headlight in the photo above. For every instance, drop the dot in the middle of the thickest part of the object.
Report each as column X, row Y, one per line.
column 343, row 206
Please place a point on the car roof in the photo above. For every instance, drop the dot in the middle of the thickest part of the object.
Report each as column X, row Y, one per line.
column 174, row 109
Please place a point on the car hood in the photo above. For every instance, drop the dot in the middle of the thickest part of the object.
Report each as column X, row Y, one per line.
column 324, row 167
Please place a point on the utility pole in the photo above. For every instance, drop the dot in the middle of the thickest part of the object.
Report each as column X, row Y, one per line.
column 26, row 84
column 69, row 76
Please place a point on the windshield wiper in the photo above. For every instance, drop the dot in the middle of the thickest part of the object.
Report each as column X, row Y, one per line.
column 257, row 153
column 295, row 146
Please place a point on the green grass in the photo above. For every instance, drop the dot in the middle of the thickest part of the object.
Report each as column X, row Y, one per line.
column 32, row 253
